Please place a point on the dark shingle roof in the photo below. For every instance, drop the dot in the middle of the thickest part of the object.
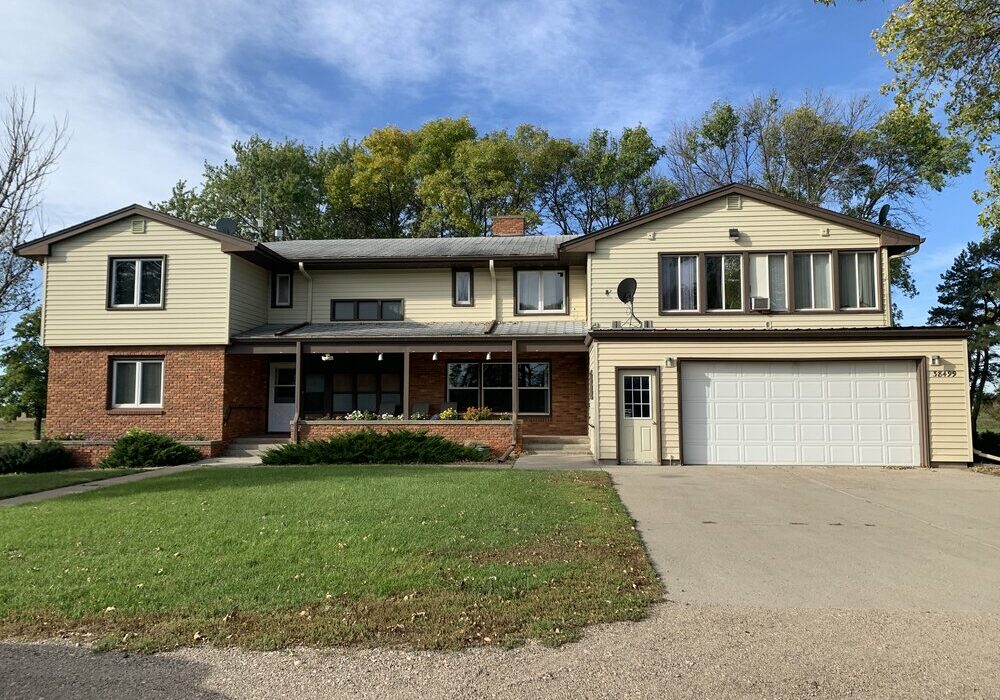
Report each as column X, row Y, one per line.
column 348, row 330
column 408, row 248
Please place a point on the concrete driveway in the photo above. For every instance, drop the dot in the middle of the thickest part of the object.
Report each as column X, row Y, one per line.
column 815, row 537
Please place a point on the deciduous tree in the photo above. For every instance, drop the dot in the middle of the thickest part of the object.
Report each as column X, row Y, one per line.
column 25, row 378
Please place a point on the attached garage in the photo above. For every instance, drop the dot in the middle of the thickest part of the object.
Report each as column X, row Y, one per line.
column 862, row 412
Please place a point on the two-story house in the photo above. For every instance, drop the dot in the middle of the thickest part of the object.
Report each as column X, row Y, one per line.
column 755, row 330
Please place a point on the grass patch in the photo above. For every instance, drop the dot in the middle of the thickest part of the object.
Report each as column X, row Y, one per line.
column 18, row 430
column 19, row 484
column 423, row 557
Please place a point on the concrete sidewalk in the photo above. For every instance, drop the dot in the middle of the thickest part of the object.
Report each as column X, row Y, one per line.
column 127, row 479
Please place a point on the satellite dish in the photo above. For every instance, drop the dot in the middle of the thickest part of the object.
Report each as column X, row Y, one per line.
column 883, row 215
column 626, row 290
column 226, row 226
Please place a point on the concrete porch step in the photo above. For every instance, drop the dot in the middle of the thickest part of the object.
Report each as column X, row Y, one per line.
column 562, row 445
column 254, row 446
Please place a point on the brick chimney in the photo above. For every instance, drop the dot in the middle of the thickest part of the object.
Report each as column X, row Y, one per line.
column 508, row 225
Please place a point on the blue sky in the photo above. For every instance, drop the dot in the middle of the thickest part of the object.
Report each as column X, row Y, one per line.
column 151, row 90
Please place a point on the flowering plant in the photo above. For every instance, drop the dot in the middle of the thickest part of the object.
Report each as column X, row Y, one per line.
column 449, row 414
column 477, row 413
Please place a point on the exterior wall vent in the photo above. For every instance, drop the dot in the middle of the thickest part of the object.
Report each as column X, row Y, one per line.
column 138, row 225
column 734, row 201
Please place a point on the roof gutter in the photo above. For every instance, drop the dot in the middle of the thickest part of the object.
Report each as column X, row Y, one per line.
column 309, row 292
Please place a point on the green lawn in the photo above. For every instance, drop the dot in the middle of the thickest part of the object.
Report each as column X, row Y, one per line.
column 17, row 484
column 425, row 557
column 18, row 430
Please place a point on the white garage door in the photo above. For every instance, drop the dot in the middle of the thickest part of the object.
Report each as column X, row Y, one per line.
column 863, row 412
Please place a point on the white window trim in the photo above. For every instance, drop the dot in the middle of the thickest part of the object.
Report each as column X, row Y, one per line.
column 138, row 383
column 812, row 283
column 676, row 257
column 857, row 279
column 138, row 281
column 541, row 293
column 278, row 303
column 722, row 282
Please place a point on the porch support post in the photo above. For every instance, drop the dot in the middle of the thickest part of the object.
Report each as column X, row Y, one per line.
column 513, row 392
column 406, row 384
column 298, row 390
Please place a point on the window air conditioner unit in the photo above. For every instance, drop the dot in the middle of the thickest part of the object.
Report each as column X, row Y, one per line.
column 760, row 304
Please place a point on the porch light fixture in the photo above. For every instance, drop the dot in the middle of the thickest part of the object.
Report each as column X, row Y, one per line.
column 489, row 355
column 935, row 359
column 670, row 362
column 435, row 357
column 380, row 357
column 327, row 357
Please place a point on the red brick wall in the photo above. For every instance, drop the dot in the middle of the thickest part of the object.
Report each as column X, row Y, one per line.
column 192, row 393
column 245, row 396
column 494, row 434
column 87, row 455
column 568, row 414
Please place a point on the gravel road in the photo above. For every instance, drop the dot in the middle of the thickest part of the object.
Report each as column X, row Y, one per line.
column 681, row 651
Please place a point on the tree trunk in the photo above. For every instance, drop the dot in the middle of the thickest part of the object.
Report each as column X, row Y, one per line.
column 38, row 427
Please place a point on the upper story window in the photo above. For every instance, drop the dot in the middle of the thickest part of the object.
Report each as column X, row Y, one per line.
column 461, row 287
column 769, row 280
column 812, row 281
column 281, row 289
column 678, row 283
column 856, row 280
column 541, row 291
column 366, row 309
column 136, row 283
column 724, row 282
column 137, row 383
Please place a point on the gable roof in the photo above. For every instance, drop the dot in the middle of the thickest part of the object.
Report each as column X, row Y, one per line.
column 895, row 239
column 39, row 247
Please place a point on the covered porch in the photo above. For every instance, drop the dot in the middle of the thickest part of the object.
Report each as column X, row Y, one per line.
column 319, row 386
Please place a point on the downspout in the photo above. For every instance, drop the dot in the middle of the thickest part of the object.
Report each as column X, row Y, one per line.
column 309, row 292
column 496, row 301
column 888, row 288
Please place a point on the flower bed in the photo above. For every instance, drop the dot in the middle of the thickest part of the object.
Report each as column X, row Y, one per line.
column 495, row 434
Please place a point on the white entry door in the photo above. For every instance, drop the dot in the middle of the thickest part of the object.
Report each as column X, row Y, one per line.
column 863, row 412
column 281, row 401
column 637, row 417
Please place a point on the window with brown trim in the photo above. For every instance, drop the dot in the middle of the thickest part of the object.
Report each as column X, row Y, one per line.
column 857, row 280
column 135, row 282
column 491, row 384
column 462, row 292
column 366, row 309
column 813, row 281
column 724, row 282
column 281, row 289
column 678, row 283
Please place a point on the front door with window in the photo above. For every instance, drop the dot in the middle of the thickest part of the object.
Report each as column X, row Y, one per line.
column 637, row 412
column 281, row 397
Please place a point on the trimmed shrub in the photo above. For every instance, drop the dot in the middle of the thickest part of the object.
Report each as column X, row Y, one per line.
column 371, row 447
column 34, row 457
column 987, row 441
column 138, row 448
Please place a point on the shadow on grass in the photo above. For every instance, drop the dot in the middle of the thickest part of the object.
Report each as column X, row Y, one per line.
column 32, row 671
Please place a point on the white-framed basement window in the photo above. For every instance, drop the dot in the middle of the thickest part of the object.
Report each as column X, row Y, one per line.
column 136, row 283
column 541, row 291
column 137, row 383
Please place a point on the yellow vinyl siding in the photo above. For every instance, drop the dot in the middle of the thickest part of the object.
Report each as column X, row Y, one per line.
column 248, row 295
column 705, row 228
column 196, row 289
column 948, row 405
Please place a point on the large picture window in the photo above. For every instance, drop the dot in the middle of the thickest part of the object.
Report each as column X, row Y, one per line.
column 541, row 291
column 137, row 383
column 724, row 282
column 135, row 283
column 856, row 280
column 678, row 283
column 768, row 279
column 490, row 384
column 812, row 281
